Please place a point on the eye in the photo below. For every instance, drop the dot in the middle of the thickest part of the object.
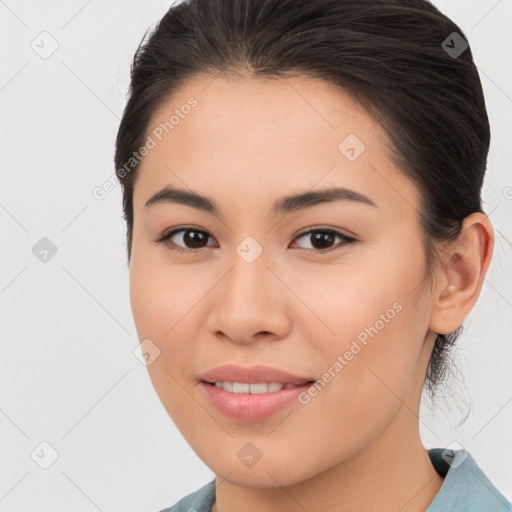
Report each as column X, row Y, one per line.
column 191, row 237
column 322, row 239
column 194, row 239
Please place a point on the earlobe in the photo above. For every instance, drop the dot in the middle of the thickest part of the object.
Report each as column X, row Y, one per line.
column 464, row 270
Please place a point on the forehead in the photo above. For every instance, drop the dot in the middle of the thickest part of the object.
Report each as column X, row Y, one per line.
column 264, row 135
column 264, row 107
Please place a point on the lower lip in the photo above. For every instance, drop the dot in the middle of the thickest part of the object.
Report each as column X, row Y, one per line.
column 251, row 407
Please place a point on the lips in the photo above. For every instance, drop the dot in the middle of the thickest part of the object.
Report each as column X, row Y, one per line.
column 251, row 394
column 253, row 375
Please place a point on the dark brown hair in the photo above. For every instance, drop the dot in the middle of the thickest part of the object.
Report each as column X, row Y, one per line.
column 404, row 61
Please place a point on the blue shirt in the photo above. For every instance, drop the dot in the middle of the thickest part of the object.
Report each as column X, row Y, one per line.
column 465, row 488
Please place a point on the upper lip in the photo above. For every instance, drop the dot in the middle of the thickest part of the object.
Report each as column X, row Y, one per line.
column 252, row 375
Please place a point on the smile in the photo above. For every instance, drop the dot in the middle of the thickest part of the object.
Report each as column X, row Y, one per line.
column 252, row 388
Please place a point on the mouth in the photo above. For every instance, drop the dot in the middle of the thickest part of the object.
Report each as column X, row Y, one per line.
column 252, row 393
column 252, row 401
column 239, row 379
column 255, row 388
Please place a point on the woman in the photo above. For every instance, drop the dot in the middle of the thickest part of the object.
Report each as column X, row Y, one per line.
column 305, row 233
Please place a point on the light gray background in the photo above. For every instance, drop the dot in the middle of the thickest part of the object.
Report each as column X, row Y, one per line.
column 68, row 372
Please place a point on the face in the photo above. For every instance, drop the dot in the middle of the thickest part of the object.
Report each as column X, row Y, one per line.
column 329, row 288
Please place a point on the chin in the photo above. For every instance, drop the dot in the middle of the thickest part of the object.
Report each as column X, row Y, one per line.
column 268, row 472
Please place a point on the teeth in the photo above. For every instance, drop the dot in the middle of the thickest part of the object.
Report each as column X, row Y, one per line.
column 238, row 387
column 244, row 387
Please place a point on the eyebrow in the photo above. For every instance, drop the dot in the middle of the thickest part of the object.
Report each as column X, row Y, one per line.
column 287, row 204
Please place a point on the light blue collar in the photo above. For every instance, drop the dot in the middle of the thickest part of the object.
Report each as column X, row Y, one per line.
column 465, row 487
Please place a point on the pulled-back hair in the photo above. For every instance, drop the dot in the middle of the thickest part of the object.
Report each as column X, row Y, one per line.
column 399, row 59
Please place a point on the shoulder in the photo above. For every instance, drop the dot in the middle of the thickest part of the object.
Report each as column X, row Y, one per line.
column 197, row 501
column 466, row 488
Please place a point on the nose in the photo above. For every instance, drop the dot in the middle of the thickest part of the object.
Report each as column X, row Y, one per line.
column 250, row 302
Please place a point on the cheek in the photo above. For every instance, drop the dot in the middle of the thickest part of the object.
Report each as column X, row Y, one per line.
column 350, row 301
column 373, row 331
column 167, row 304
column 162, row 312
column 160, row 296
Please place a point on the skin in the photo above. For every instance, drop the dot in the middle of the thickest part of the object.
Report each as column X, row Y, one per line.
column 249, row 142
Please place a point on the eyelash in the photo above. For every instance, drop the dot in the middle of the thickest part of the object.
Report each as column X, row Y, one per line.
column 165, row 238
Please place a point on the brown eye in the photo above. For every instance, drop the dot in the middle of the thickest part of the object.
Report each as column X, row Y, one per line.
column 185, row 239
column 192, row 239
column 322, row 240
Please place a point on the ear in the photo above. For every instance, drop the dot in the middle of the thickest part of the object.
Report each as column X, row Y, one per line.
column 460, row 281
